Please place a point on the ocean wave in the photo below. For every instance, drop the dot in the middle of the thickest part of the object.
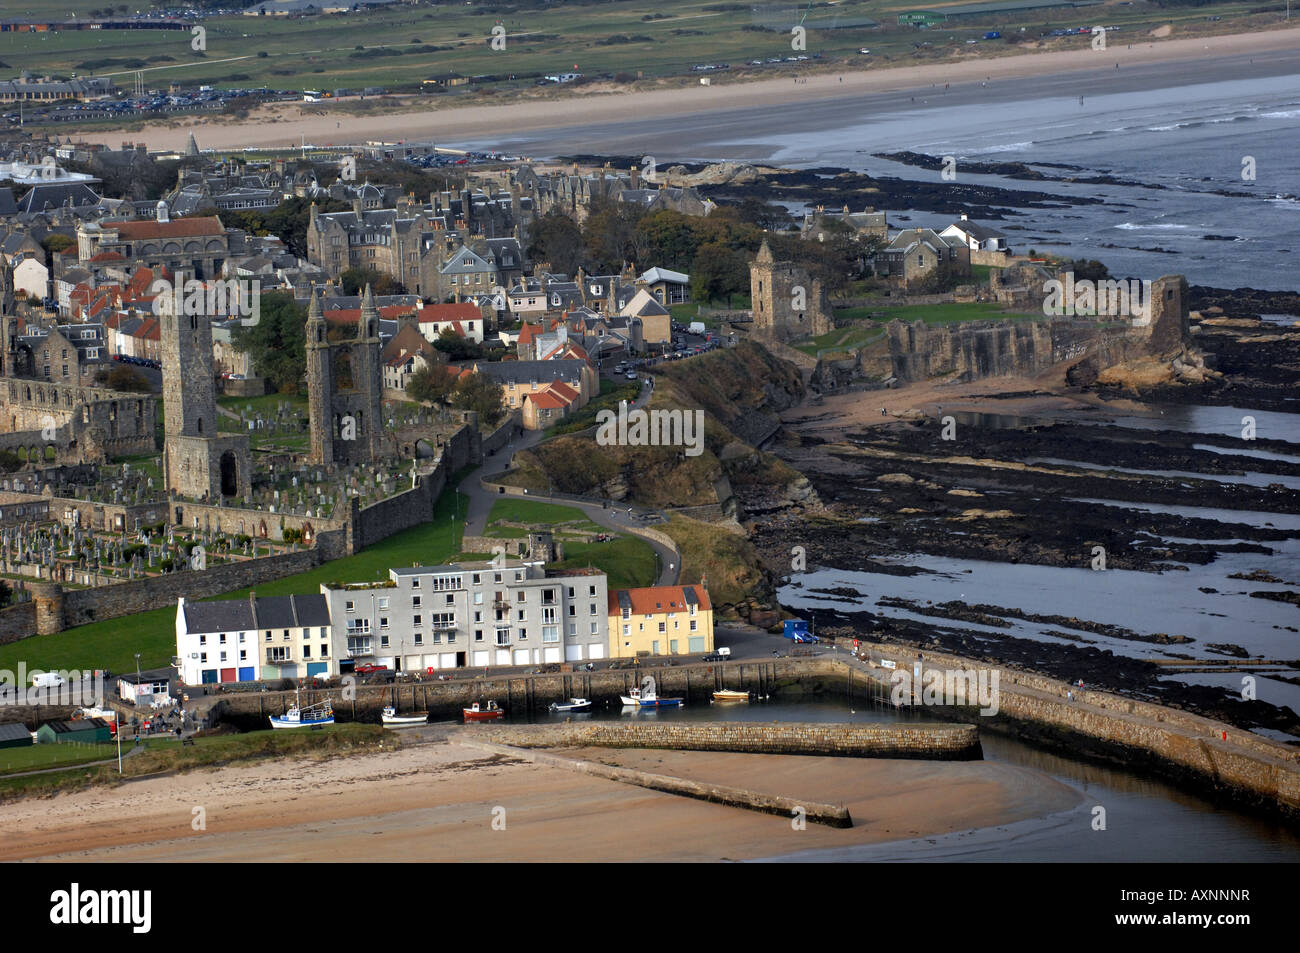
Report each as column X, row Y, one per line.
column 1135, row 227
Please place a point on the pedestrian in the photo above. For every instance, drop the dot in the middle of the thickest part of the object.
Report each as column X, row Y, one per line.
column 1069, row 696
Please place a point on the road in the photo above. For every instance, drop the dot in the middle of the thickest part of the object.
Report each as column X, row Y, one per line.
column 619, row 519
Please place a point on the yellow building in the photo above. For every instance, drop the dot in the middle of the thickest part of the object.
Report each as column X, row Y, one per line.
column 660, row 620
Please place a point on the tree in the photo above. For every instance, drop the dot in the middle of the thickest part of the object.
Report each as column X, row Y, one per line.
column 277, row 343
column 287, row 221
column 557, row 239
column 610, row 236
column 457, row 347
column 718, row 271
column 6, row 593
column 480, row 393
column 1089, row 269
column 123, row 378
column 433, row 383
column 56, row 242
column 381, row 283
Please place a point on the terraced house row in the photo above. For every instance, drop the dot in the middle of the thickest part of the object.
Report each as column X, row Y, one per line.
column 439, row 618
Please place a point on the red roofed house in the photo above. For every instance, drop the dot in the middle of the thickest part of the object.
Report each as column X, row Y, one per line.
column 660, row 620
column 465, row 318
column 549, row 405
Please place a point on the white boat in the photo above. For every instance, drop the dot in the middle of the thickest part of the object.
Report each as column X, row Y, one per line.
column 574, row 704
column 730, row 695
column 645, row 697
column 392, row 719
column 313, row 716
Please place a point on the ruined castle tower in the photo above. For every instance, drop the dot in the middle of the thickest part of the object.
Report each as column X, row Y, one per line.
column 198, row 462
column 787, row 302
column 344, row 382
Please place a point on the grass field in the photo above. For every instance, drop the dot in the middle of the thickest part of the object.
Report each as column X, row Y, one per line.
column 404, row 45
column 168, row 754
column 15, row 760
column 111, row 644
column 629, row 562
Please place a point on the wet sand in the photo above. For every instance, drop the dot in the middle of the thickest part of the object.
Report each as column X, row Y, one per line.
column 841, row 414
column 436, row 803
column 1148, row 63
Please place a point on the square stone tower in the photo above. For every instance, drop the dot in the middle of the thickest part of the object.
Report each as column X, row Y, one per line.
column 344, row 384
column 198, row 461
column 787, row 301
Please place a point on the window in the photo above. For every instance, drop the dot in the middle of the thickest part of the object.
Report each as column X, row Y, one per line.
column 223, row 656
column 278, row 653
column 595, row 628
column 419, row 638
column 222, row 638
column 478, row 635
column 593, row 609
column 350, row 606
column 383, row 621
column 306, row 651
column 415, row 582
column 694, row 625
column 285, row 637
column 478, row 581
column 241, row 638
column 550, row 633
column 243, row 655
column 591, row 590
column 415, row 602
column 663, row 627
column 627, row 630
column 203, row 640
column 417, row 621
column 383, row 602
column 203, row 656
column 383, row 641
column 325, row 650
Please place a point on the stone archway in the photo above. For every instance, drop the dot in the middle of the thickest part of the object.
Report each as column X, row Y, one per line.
column 229, row 474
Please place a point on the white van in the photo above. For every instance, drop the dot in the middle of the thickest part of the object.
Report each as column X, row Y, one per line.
column 48, row 680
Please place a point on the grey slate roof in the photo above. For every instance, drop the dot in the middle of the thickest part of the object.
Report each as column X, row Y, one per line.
column 271, row 612
column 532, row 372
column 14, row 731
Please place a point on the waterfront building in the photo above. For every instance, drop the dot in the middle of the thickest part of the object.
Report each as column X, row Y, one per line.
column 660, row 620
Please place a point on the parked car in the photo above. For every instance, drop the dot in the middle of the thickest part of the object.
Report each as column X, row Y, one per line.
column 369, row 668
column 720, row 655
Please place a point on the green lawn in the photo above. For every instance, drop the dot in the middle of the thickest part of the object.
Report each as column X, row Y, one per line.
column 527, row 511
column 847, row 338
column 15, row 760
column 112, row 644
column 628, row 562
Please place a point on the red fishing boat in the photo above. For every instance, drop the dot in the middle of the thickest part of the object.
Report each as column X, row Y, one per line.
column 488, row 711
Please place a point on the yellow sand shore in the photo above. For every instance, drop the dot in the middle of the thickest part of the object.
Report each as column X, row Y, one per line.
column 1188, row 61
column 436, row 803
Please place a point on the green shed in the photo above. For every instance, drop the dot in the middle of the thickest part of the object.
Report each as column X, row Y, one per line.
column 86, row 731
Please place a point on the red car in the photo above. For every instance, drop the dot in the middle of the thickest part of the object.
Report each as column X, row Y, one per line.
column 369, row 668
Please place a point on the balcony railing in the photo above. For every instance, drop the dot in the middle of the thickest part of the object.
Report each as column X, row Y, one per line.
column 505, row 637
column 501, row 603
column 356, row 651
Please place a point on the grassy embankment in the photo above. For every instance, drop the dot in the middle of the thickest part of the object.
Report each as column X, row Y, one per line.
column 168, row 754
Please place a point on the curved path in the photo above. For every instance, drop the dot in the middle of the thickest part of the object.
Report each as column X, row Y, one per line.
column 620, row 519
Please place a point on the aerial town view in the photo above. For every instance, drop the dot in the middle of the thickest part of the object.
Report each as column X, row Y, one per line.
column 582, row 431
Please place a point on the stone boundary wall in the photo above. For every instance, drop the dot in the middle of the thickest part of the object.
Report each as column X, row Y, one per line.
column 931, row 742
column 1244, row 761
column 126, row 598
column 498, row 438
column 828, row 814
column 412, row 507
column 17, row 622
column 984, row 256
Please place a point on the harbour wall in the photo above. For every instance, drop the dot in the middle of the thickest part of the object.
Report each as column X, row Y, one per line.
column 936, row 742
column 1204, row 753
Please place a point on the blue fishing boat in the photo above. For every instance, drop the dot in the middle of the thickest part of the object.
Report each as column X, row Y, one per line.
column 645, row 697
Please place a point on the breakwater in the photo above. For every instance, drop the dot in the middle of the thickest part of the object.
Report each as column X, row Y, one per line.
column 829, row 814
column 940, row 742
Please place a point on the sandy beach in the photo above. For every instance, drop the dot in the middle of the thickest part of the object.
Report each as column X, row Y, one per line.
column 434, row 802
column 1175, row 61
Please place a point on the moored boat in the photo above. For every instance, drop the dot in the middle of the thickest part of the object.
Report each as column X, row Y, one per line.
column 313, row 716
column 646, row 697
column 392, row 719
column 483, row 711
column 574, row 704
column 730, row 695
